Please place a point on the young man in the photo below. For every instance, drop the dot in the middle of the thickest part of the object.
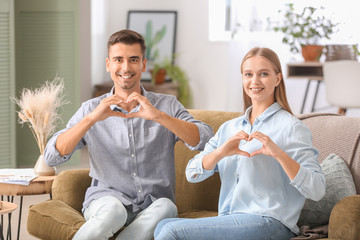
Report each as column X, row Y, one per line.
column 130, row 135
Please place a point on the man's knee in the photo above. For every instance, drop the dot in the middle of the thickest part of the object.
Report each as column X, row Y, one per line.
column 118, row 211
column 108, row 210
column 165, row 208
column 103, row 218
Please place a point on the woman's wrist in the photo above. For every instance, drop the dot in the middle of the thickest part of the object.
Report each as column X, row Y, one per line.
column 209, row 161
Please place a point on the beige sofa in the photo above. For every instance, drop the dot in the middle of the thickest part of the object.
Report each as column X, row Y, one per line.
column 60, row 217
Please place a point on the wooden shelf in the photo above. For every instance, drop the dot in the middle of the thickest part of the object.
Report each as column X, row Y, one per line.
column 309, row 70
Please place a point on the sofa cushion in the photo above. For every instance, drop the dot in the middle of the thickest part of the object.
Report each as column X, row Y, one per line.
column 203, row 195
column 58, row 220
column 336, row 134
column 339, row 184
column 70, row 187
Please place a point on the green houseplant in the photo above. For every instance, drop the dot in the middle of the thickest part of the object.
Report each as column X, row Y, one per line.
column 152, row 40
column 177, row 74
column 304, row 29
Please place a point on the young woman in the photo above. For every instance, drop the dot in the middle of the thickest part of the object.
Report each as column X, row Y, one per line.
column 266, row 162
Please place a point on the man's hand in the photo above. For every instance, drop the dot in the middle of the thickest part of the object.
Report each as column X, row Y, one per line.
column 103, row 111
column 146, row 111
column 68, row 140
column 186, row 131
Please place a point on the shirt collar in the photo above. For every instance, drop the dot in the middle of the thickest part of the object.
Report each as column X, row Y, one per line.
column 267, row 113
column 115, row 107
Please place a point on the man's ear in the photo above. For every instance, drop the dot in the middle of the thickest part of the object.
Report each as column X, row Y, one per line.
column 107, row 64
column 144, row 65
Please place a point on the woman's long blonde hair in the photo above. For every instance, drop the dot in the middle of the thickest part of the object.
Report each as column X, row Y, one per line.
column 280, row 91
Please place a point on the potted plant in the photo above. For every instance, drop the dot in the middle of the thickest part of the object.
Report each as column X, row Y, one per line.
column 304, row 30
column 177, row 74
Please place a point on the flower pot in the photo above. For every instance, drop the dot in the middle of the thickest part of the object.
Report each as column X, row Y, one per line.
column 42, row 169
column 160, row 76
column 311, row 53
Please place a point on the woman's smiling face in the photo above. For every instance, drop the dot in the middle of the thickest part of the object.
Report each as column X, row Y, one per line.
column 260, row 80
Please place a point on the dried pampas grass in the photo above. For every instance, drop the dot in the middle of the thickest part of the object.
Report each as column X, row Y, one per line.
column 39, row 109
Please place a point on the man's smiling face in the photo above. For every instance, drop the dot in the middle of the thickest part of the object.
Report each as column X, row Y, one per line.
column 126, row 65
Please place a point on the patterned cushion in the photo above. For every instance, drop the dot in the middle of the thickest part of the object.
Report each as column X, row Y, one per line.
column 339, row 184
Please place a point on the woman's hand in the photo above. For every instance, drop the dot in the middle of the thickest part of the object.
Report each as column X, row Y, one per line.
column 269, row 147
column 290, row 166
column 231, row 146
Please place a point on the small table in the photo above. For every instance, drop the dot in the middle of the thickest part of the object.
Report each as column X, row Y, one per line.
column 309, row 70
column 6, row 208
column 39, row 185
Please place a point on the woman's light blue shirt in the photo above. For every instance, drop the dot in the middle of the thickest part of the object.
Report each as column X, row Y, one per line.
column 259, row 185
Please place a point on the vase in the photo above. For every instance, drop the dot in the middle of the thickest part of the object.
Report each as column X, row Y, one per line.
column 159, row 77
column 42, row 169
column 311, row 53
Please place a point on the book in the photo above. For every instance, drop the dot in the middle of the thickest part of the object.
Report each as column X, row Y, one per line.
column 21, row 176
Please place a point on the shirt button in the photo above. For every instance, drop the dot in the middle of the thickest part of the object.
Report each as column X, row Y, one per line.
column 139, row 191
column 132, row 155
column 130, row 135
column 134, row 174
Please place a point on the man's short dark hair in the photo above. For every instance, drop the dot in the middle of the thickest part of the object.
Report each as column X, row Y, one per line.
column 127, row 37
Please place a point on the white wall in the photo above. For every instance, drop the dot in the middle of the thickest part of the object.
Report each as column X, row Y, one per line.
column 212, row 67
column 206, row 63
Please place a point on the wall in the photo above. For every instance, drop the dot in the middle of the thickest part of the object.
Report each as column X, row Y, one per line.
column 212, row 67
column 206, row 63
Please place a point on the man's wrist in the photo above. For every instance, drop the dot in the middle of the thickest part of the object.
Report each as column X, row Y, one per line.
column 89, row 119
column 160, row 116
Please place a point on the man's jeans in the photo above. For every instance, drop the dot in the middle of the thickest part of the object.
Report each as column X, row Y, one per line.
column 235, row 226
column 106, row 215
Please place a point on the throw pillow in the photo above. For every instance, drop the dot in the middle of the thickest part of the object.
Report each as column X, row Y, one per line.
column 339, row 184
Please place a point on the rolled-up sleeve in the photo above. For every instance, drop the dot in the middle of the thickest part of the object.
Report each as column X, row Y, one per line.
column 52, row 156
column 194, row 170
column 310, row 180
column 205, row 131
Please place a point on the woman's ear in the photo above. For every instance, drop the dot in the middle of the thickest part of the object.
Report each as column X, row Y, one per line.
column 279, row 78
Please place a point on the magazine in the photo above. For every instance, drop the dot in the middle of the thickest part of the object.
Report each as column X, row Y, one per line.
column 21, row 176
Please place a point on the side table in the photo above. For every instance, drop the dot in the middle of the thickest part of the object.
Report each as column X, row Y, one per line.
column 6, row 208
column 39, row 185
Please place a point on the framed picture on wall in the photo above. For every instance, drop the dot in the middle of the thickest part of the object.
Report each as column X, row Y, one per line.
column 159, row 31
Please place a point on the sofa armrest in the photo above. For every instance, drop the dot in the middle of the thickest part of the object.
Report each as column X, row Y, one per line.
column 53, row 220
column 344, row 222
column 70, row 187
